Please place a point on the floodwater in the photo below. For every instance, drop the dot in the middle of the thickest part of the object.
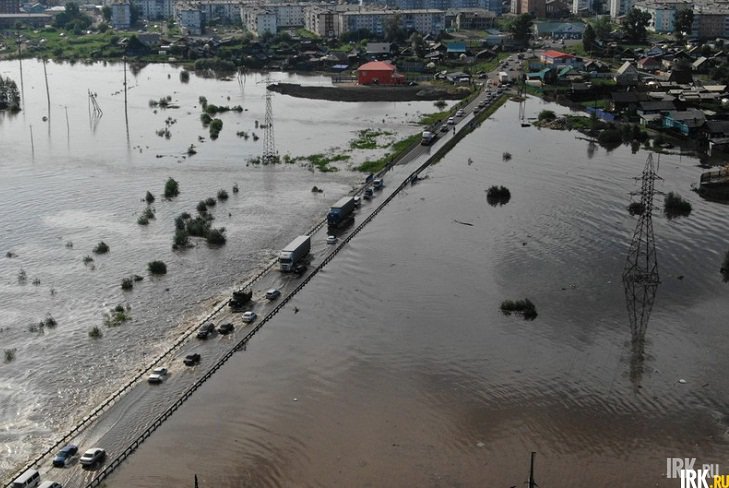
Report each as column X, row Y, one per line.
column 396, row 368
column 68, row 182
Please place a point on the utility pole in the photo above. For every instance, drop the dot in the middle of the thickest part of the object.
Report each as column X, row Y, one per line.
column 48, row 91
column 532, row 483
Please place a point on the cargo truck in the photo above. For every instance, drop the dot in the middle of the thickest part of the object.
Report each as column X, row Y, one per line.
column 503, row 77
column 294, row 252
column 428, row 138
column 340, row 214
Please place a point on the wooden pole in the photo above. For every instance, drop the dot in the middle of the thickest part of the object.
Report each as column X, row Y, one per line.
column 32, row 145
column 48, row 91
column 532, row 483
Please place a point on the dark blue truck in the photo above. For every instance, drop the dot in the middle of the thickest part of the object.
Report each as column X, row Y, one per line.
column 340, row 214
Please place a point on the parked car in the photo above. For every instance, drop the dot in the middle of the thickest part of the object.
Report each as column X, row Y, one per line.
column 273, row 294
column 64, row 455
column 205, row 330
column 249, row 316
column 50, row 484
column 93, row 456
column 191, row 359
column 225, row 328
column 158, row 375
column 332, row 239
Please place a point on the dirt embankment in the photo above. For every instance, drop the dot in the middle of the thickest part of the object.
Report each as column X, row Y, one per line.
column 358, row 93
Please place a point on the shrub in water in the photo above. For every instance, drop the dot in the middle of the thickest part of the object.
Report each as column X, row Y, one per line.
column 498, row 195
column 235, row 188
column 636, row 208
column 525, row 307
column 142, row 220
column 181, row 239
column 95, row 333
column 157, row 267
column 216, row 237
column 547, row 115
column 210, row 202
column 50, row 322
column 127, row 284
column 725, row 268
column 675, row 206
column 172, row 189
column 9, row 355
column 202, row 206
column 222, row 195
column 149, row 213
column 88, row 259
column 101, row 248
column 198, row 227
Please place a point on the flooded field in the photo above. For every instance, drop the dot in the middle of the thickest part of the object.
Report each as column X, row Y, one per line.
column 72, row 180
column 395, row 366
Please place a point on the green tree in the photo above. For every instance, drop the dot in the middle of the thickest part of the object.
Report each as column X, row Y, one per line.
column 106, row 12
column 393, row 31
column 588, row 38
column 682, row 22
column 133, row 14
column 417, row 44
column 522, row 27
column 634, row 24
column 603, row 27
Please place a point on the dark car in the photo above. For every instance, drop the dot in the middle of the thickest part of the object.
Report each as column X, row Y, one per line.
column 204, row 331
column 64, row 455
column 191, row 359
column 225, row 328
column 300, row 269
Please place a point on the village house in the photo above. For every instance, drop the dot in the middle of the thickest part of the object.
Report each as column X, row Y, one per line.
column 627, row 74
column 686, row 122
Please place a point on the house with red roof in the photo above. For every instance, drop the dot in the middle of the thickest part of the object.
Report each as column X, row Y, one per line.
column 559, row 59
column 379, row 73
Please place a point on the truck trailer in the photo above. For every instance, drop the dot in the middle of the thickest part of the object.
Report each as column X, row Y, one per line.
column 340, row 213
column 294, row 252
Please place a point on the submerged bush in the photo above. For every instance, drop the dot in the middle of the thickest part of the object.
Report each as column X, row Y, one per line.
column 636, row 208
column 172, row 188
column 9, row 355
column 88, row 260
column 675, row 206
column 149, row 213
column 222, row 195
column 127, row 284
column 525, row 307
column 498, row 195
column 725, row 268
column 210, row 202
column 101, row 248
column 157, row 267
column 216, row 237
column 142, row 220
column 181, row 239
column 95, row 333
column 547, row 115
column 235, row 188
column 149, row 198
column 117, row 316
column 202, row 206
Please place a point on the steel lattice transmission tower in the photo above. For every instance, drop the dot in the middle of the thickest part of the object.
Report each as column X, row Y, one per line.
column 270, row 155
column 640, row 275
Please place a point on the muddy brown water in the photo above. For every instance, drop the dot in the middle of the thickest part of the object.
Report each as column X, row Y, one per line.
column 399, row 369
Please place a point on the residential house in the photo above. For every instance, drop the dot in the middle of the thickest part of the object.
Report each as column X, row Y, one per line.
column 627, row 101
column 559, row 30
column 559, row 59
column 456, row 49
column 701, row 65
column 378, row 50
column 650, row 63
column 716, row 132
column 627, row 74
column 686, row 122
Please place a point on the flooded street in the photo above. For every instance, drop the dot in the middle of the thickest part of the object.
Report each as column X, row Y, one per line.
column 395, row 366
column 79, row 180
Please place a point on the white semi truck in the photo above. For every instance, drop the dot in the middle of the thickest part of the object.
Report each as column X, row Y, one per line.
column 294, row 252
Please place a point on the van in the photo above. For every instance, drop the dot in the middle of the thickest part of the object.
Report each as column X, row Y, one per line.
column 29, row 479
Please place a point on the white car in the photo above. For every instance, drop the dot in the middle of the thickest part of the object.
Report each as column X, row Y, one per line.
column 451, row 121
column 249, row 316
column 93, row 456
column 460, row 113
column 158, row 375
column 273, row 294
column 332, row 240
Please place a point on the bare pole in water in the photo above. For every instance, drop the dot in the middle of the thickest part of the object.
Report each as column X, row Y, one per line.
column 532, row 483
column 126, row 114
column 48, row 91
column 20, row 60
column 32, row 145
column 68, row 126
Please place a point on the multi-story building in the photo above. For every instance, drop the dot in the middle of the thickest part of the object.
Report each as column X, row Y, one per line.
column 323, row 20
column 259, row 21
column 190, row 18
column 121, row 15
column 492, row 5
column 580, row 6
column 710, row 21
column 224, row 11
column 662, row 13
column 515, row 7
column 537, row 8
column 423, row 21
column 155, row 9
column 9, row 6
column 620, row 7
column 474, row 19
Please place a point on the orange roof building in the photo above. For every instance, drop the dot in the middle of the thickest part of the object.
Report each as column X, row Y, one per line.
column 378, row 73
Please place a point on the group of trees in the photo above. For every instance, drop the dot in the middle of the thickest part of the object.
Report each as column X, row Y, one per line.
column 72, row 19
column 9, row 95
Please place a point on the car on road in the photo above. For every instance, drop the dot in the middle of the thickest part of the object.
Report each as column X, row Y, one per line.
column 205, row 330
column 249, row 316
column 481, row 104
column 332, row 239
column 273, row 294
column 460, row 113
column 50, row 484
column 225, row 328
column 357, row 201
column 158, row 375
column 64, row 456
column 300, row 269
column 378, row 183
column 191, row 359
column 368, row 193
column 93, row 456
column 451, row 121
